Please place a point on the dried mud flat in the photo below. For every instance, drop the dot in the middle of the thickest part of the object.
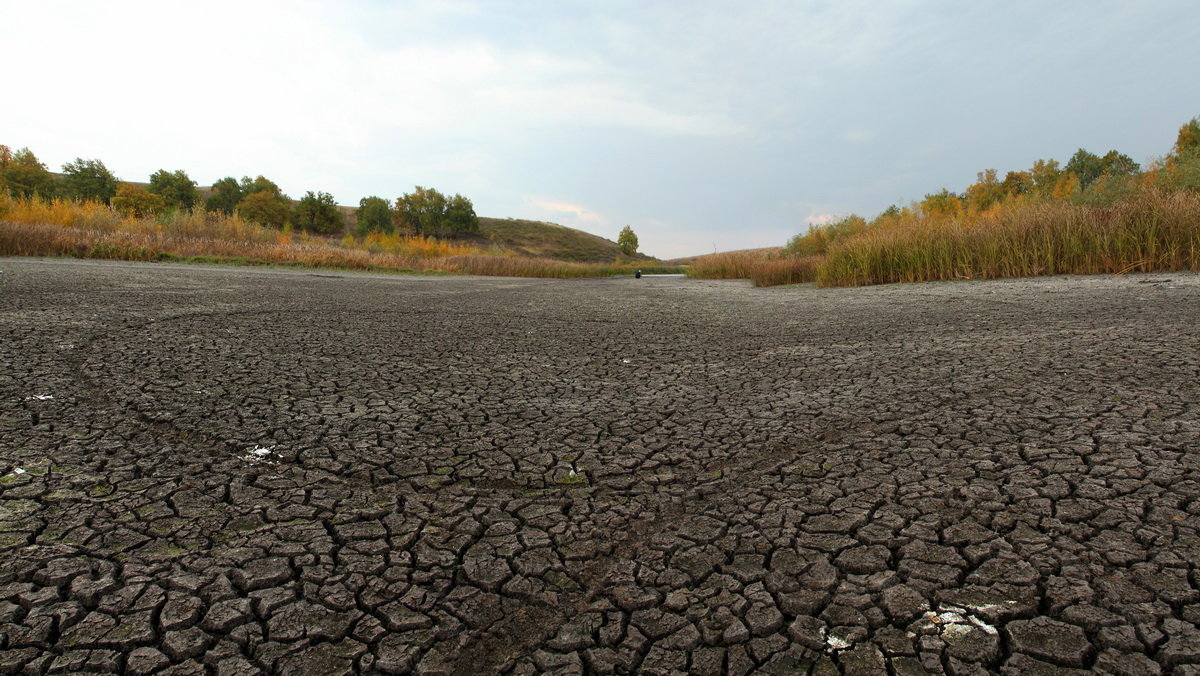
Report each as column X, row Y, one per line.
column 244, row 471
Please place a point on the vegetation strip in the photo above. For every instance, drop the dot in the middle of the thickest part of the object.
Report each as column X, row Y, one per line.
column 1096, row 214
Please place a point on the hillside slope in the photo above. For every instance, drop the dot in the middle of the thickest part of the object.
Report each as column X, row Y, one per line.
column 550, row 240
column 538, row 239
column 761, row 251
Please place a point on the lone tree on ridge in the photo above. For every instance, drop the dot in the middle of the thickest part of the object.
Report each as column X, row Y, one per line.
column 627, row 241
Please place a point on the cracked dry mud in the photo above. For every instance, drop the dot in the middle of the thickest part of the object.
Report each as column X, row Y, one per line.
column 243, row 471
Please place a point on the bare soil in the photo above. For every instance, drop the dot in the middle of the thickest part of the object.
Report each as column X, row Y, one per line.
column 233, row 470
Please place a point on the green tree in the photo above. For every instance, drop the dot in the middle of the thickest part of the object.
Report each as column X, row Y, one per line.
column 23, row 174
column 627, row 241
column 1089, row 166
column 819, row 237
column 374, row 214
column 136, row 202
column 1119, row 164
column 428, row 212
column 941, row 204
column 1107, row 190
column 1086, row 166
column 985, row 191
column 264, row 208
column 1045, row 175
column 422, row 210
column 261, row 184
column 89, row 180
column 317, row 212
column 1067, row 187
column 5, row 158
column 1180, row 170
column 175, row 187
column 225, row 196
column 460, row 218
column 1017, row 183
column 1189, row 137
column 1183, row 172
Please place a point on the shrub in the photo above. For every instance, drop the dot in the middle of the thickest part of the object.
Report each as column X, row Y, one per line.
column 88, row 180
column 818, row 238
column 317, row 212
column 134, row 202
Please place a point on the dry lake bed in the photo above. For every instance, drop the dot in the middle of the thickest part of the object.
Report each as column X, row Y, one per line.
column 236, row 470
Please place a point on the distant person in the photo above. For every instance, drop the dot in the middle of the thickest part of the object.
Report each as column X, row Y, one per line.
column 637, row 275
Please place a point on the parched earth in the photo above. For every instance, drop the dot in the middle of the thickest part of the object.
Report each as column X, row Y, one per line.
column 243, row 471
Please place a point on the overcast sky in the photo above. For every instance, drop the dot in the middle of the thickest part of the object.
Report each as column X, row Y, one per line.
column 704, row 125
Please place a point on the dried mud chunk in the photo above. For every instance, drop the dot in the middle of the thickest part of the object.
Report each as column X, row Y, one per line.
column 1024, row 665
column 1050, row 640
column 334, row 659
column 1124, row 664
column 1182, row 646
column 763, row 619
column 808, row 632
column 972, row 642
column 863, row 659
column 1004, row 570
column 662, row 661
column 396, row 656
column 577, row 634
column 263, row 573
column 145, row 660
column 184, row 644
column 225, row 615
column 558, row 664
column 967, row 533
column 80, row 661
column 864, row 560
column 903, row 602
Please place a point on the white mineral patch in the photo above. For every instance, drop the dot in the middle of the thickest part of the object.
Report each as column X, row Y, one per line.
column 954, row 622
column 259, row 454
column 987, row 607
column 956, row 631
column 40, row 397
column 983, row 625
column 834, row 641
column 951, row 618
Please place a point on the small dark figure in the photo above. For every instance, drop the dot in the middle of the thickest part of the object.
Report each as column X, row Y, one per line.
column 637, row 275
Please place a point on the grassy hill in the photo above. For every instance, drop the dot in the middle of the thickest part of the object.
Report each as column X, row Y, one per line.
column 760, row 252
column 550, row 240
column 537, row 239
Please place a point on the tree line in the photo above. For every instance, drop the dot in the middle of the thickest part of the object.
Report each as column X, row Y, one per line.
column 424, row 211
column 1086, row 179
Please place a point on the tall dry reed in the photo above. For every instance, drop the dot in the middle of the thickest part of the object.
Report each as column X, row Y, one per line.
column 731, row 264
column 1153, row 231
column 777, row 271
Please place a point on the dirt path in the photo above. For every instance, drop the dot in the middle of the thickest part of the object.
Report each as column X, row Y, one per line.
column 244, row 471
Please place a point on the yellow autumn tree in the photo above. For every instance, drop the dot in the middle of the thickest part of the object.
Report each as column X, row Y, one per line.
column 134, row 202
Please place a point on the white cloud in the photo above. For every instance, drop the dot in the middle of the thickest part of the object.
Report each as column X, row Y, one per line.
column 566, row 213
column 709, row 114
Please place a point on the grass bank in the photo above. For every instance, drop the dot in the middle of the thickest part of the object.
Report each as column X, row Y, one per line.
column 765, row 267
column 37, row 227
column 1155, row 230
